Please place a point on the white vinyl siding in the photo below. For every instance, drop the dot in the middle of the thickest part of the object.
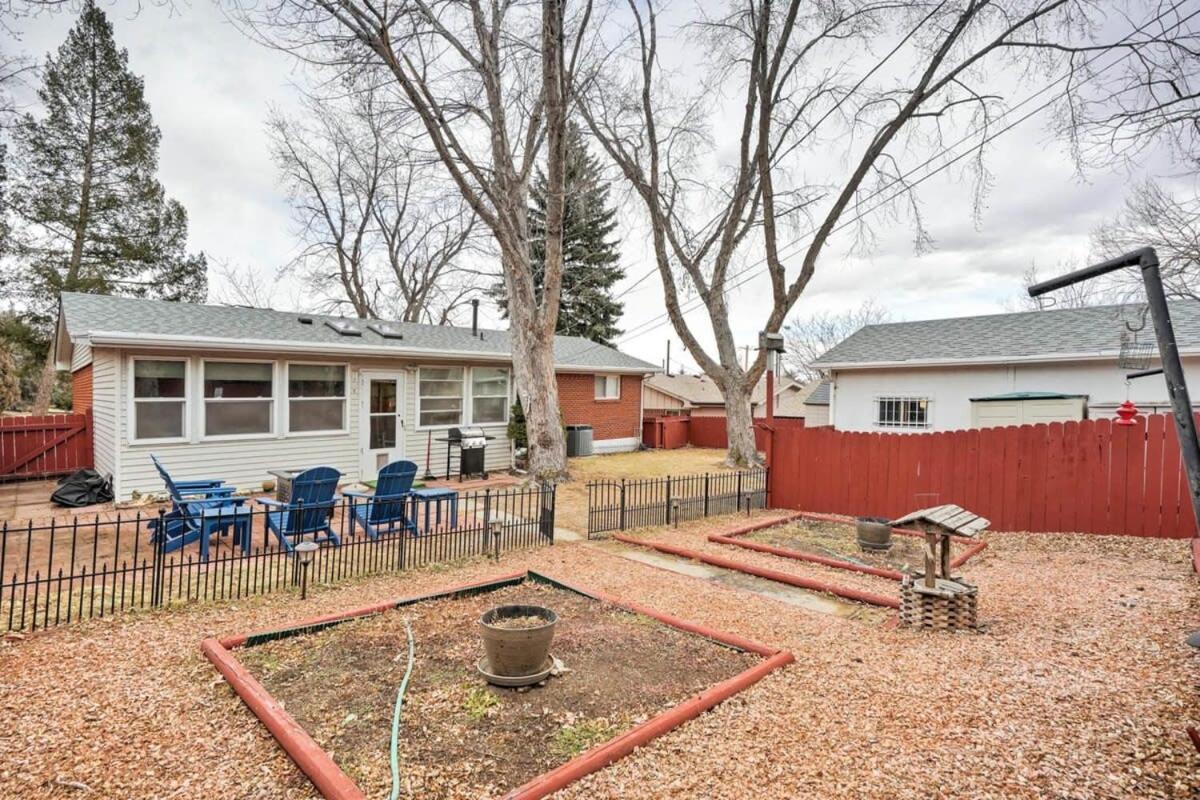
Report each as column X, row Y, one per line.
column 105, row 420
column 245, row 463
column 241, row 462
column 952, row 388
column 81, row 356
column 499, row 449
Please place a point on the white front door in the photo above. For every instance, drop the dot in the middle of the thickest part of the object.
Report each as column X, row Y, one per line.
column 381, row 421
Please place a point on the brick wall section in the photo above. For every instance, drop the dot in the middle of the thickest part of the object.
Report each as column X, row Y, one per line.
column 81, row 389
column 610, row 419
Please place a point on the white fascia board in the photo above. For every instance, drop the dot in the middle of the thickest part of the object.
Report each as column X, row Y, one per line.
column 1048, row 358
column 169, row 342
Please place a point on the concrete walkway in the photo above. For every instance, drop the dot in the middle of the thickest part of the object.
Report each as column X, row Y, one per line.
column 31, row 500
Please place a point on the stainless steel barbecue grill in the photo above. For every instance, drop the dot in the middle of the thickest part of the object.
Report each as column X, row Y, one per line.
column 472, row 451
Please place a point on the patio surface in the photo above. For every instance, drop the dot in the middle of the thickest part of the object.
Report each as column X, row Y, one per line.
column 23, row 501
column 1080, row 688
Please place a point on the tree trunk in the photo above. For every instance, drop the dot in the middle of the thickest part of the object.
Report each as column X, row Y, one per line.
column 538, row 389
column 46, row 381
column 739, row 423
column 45, row 388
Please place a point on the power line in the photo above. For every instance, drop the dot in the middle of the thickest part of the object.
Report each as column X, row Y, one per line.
column 816, row 125
column 645, row 327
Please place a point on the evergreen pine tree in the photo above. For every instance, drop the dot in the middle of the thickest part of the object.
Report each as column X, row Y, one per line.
column 590, row 257
column 93, row 216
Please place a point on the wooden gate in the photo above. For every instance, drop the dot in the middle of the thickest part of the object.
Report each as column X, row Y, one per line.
column 45, row 445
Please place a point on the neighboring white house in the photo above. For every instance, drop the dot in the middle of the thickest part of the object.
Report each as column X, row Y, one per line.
column 1001, row 369
column 230, row 393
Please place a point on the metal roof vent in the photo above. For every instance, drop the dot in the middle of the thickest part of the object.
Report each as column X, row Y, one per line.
column 305, row 320
column 344, row 327
column 387, row 330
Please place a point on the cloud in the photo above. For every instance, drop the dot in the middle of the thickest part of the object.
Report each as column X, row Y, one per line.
column 210, row 88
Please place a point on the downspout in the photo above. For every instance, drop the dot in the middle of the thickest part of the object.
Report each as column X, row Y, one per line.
column 641, row 409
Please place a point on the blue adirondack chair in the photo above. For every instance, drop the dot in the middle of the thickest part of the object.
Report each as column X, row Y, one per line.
column 388, row 507
column 198, row 510
column 307, row 511
column 203, row 487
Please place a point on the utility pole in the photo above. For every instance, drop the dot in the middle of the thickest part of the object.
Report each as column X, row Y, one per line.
column 668, row 358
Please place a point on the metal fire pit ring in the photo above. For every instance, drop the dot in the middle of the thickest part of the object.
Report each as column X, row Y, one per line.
column 516, row 681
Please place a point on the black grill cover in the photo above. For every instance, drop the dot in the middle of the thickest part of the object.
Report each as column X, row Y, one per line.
column 84, row 487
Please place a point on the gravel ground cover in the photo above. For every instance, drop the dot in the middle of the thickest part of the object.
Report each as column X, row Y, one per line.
column 1080, row 688
column 460, row 737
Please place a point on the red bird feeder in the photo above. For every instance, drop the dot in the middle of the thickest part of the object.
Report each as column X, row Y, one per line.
column 1125, row 413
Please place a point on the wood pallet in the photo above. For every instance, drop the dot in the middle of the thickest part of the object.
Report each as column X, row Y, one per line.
column 951, row 606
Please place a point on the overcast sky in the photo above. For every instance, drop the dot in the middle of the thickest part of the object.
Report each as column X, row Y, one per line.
column 210, row 87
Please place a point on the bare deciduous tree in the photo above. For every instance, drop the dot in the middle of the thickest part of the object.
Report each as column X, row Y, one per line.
column 379, row 235
column 1168, row 223
column 809, row 338
column 1151, row 98
column 1078, row 295
column 489, row 82
column 813, row 92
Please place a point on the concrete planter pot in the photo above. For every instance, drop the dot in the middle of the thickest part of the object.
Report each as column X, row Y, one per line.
column 516, row 651
column 874, row 533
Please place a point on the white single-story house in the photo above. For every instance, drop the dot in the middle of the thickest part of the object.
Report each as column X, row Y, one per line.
column 1000, row 369
column 231, row 392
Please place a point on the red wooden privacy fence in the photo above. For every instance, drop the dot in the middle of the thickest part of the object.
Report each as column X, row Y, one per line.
column 669, row 433
column 41, row 446
column 1090, row 476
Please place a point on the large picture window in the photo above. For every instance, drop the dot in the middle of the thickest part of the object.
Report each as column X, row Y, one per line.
column 489, row 395
column 316, row 397
column 159, row 399
column 902, row 412
column 440, row 396
column 238, row 398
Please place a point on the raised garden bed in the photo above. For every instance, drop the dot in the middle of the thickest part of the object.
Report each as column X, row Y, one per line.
column 630, row 674
column 832, row 541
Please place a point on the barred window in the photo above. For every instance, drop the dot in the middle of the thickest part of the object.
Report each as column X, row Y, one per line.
column 902, row 412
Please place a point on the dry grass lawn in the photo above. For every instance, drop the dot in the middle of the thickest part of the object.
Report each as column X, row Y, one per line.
column 571, row 509
column 1080, row 688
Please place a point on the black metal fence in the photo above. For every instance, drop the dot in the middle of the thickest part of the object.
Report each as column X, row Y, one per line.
column 78, row 568
column 624, row 504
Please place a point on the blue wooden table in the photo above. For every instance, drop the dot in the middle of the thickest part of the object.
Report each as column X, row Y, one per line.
column 435, row 498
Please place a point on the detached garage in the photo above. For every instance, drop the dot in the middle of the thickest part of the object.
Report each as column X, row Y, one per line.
column 1026, row 408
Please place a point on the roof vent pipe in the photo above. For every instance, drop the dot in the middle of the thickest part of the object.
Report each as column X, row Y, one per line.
column 475, row 316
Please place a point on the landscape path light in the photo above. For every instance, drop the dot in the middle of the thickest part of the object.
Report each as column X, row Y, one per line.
column 305, row 552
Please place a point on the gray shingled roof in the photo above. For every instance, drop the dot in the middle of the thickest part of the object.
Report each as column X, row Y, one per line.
column 700, row 390
column 1094, row 331
column 819, row 396
column 86, row 315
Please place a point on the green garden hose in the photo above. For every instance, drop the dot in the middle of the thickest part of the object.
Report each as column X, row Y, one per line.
column 396, row 714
